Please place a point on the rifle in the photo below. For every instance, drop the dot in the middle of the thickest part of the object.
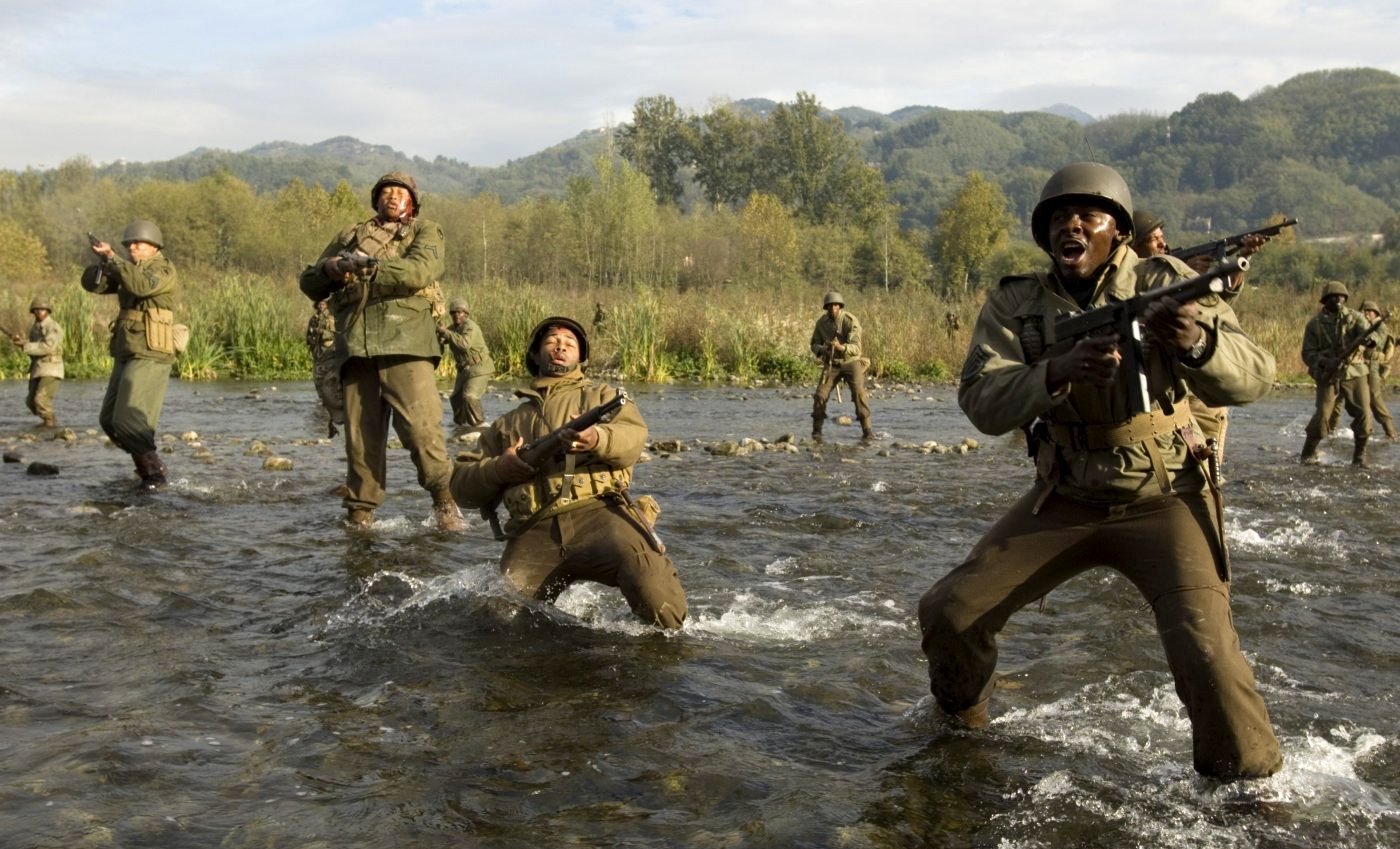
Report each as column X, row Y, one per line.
column 826, row 370
column 1335, row 372
column 1220, row 249
column 539, row 450
column 358, row 262
column 1121, row 317
column 93, row 240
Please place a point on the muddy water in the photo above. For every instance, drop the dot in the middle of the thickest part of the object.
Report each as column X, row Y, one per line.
column 221, row 664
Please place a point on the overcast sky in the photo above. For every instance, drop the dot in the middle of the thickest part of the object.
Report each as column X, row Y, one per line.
column 490, row 80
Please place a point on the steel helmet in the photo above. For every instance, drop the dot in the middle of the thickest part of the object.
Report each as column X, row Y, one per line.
column 458, row 305
column 537, row 336
column 833, row 298
column 42, row 303
column 1334, row 287
column 397, row 178
column 1083, row 181
column 1366, row 306
column 1144, row 223
column 142, row 230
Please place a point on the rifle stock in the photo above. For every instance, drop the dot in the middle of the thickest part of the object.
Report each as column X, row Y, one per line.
column 1220, row 249
column 1121, row 317
column 536, row 452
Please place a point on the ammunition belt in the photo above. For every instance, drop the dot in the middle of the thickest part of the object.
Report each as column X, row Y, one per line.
column 1140, row 428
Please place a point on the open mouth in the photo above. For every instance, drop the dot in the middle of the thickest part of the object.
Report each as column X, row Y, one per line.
column 1071, row 251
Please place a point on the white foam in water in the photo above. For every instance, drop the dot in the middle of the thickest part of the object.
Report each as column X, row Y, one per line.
column 1172, row 805
column 1298, row 536
column 753, row 618
column 879, row 486
column 781, row 566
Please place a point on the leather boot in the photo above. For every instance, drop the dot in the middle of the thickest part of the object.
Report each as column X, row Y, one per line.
column 817, row 428
column 1358, row 453
column 151, row 470
column 448, row 515
column 360, row 517
column 867, row 432
column 1309, row 457
column 977, row 716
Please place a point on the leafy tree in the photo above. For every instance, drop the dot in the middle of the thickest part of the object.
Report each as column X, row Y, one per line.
column 768, row 239
column 969, row 231
column 24, row 258
column 725, row 143
column 658, row 144
column 808, row 162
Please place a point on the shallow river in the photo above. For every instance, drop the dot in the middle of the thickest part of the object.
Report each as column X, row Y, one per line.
column 222, row 664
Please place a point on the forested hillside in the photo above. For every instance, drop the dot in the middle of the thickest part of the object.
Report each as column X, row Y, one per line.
column 1323, row 147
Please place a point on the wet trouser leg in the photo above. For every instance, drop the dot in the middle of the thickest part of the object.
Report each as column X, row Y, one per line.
column 404, row 389
column 40, row 397
column 131, row 407
column 466, row 399
column 1379, row 411
column 822, row 395
column 600, row 544
column 326, row 376
column 853, row 372
column 1169, row 549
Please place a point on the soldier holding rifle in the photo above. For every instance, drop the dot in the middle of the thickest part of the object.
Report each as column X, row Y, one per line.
column 1333, row 350
column 836, row 343
column 44, row 347
column 381, row 279
column 571, row 513
column 1114, row 488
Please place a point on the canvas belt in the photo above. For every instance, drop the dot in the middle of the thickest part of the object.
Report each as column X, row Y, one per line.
column 1140, row 428
column 131, row 315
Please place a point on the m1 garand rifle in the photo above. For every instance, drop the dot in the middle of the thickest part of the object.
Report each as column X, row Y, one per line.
column 1121, row 317
column 831, row 363
column 1222, row 249
column 536, row 452
column 1334, row 372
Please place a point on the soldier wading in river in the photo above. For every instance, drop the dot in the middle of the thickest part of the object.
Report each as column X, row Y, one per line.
column 381, row 279
column 1127, row 493
column 836, row 345
column 44, row 347
column 143, row 343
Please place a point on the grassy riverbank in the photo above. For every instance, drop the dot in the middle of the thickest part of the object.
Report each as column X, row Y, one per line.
column 250, row 326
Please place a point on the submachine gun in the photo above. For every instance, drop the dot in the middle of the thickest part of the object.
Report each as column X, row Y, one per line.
column 1121, row 317
column 552, row 443
column 1337, row 369
column 1222, row 249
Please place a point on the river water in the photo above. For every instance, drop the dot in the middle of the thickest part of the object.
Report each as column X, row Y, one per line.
column 222, row 664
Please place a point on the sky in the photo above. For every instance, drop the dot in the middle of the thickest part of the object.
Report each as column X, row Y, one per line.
column 487, row 81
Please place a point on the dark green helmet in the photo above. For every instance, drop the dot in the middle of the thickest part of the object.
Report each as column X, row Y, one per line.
column 1144, row 223
column 1366, row 306
column 142, row 230
column 537, row 336
column 1333, row 287
column 833, row 298
column 397, row 178
column 42, row 303
column 1089, row 182
column 458, row 305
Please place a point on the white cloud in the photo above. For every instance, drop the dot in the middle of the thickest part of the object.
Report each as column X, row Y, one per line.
column 487, row 81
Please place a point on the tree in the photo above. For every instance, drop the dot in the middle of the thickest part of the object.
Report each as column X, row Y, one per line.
column 768, row 239
column 809, row 163
column 24, row 257
column 969, row 231
column 657, row 143
column 725, row 143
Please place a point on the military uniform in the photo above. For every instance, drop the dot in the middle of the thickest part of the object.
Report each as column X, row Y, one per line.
column 474, row 370
column 45, row 351
column 386, row 352
column 1378, row 359
column 142, row 348
column 1326, row 336
column 575, row 520
column 325, row 367
column 844, row 365
column 1111, row 490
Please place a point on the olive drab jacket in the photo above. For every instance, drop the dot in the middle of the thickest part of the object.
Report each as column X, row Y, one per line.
column 847, row 327
column 550, row 403
column 1326, row 336
column 468, row 347
column 391, row 310
column 1378, row 358
column 320, row 335
column 45, row 348
column 146, row 292
column 1086, row 445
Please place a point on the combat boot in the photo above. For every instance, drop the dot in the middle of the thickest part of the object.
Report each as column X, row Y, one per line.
column 977, row 716
column 360, row 517
column 1309, row 457
column 50, row 421
column 817, row 428
column 1358, row 453
column 448, row 515
column 151, row 470
column 867, row 433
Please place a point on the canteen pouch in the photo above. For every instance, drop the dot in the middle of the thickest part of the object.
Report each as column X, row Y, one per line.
column 181, row 337
column 160, row 330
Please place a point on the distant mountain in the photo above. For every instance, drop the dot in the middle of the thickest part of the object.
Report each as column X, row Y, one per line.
column 1075, row 114
column 1322, row 146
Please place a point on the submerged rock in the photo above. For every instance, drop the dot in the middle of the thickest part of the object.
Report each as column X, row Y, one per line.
column 275, row 463
column 37, row 468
